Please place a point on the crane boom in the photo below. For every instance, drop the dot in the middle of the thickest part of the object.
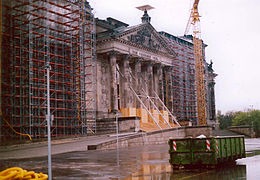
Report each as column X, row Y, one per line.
column 194, row 20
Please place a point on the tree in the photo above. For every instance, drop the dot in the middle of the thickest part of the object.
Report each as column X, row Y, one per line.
column 251, row 118
column 225, row 120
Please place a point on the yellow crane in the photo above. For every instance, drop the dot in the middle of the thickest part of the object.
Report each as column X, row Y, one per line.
column 194, row 21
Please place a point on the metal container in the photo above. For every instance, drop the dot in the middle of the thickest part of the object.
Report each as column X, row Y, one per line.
column 205, row 152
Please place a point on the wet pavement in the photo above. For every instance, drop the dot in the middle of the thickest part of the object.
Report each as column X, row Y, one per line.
column 140, row 163
column 40, row 149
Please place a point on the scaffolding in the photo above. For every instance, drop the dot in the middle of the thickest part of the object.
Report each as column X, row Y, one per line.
column 183, row 79
column 152, row 104
column 61, row 33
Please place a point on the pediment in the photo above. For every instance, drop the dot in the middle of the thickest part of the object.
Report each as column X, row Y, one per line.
column 145, row 36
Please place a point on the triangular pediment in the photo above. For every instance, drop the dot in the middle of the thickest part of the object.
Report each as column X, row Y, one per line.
column 145, row 36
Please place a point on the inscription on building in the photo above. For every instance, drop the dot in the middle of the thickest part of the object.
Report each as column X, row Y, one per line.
column 144, row 55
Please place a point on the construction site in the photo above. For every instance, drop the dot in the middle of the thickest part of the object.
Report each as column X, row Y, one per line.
column 87, row 74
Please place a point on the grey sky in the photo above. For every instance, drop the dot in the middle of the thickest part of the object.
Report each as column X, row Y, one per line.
column 231, row 29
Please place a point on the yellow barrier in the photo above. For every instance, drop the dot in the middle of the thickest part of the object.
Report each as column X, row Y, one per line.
column 128, row 112
column 165, row 115
column 16, row 173
column 155, row 114
column 142, row 113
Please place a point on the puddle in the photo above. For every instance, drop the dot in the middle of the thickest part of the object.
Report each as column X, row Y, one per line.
column 140, row 163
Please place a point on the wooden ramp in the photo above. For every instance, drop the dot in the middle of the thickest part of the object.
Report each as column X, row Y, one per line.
column 152, row 117
column 149, row 127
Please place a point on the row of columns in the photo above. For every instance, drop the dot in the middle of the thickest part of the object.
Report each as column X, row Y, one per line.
column 147, row 76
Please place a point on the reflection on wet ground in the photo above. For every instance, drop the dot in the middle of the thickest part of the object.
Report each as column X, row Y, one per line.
column 141, row 163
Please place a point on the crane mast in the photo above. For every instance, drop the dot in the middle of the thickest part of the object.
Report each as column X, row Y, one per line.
column 194, row 21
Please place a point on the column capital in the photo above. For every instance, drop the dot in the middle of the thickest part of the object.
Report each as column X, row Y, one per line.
column 167, row 68
column 137, row 60
column 158, row 65
column 113, row 53
column 126, row 56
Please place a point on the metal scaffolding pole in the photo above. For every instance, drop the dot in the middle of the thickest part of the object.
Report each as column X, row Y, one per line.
column 60, row 33
column 183, row 74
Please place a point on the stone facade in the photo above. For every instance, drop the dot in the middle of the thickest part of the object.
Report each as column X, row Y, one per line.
column 210, row 96
column 139, row 61
column 131, row 61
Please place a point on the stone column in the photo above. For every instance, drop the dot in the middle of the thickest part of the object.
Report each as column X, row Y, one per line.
column 169, row 94
column 127, row 99
column 212, row 107
column 99, row 85
column 150, row 82
column 156, row 83
column 169, row 74
column 144, row 83
column 160, row 83
column 114, row 98
column 138, row 82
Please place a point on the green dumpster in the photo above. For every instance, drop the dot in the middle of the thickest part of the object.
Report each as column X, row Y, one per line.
column 208, row 152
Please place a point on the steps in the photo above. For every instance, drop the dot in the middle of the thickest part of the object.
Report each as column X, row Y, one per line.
column 105, row 126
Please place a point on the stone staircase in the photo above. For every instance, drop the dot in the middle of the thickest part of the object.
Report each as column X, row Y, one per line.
column 125, row 125
column 105, row 126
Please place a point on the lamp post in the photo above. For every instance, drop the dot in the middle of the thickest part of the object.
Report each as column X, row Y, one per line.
column 117, row 146
column 252, row 121
column 48, row 67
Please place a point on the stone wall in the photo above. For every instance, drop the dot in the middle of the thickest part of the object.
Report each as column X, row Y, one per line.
column 245, row 130
column 125, row 124
column 194, row 131
column 156, row 137
column 129, row 124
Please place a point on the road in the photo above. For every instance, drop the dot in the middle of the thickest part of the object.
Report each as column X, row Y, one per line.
column 40, row 149
column 144, row 162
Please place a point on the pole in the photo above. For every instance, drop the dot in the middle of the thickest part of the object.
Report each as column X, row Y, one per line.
column 252, row 121
column 0, row 69
column 48, row 121
column 117, row 146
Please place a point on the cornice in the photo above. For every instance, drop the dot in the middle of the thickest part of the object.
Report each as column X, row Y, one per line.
column 129, row 43
column 118, row 37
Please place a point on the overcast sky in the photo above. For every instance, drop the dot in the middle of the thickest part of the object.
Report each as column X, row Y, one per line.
column 231, row 29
